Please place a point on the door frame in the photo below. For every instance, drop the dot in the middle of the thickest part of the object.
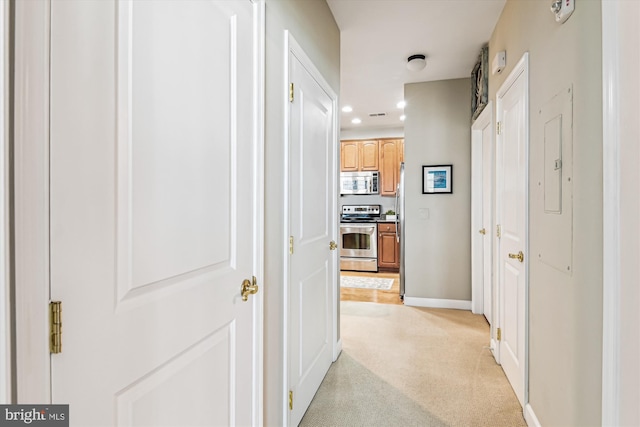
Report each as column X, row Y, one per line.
column 32, row 375
column 477, row 187
column 31, row 201
column 611, row 322
column 620, row 251
column 520, row 69
column 293, row 48
column 5, row 215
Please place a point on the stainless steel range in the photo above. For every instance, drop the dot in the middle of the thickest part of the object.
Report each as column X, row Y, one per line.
column 359, row 237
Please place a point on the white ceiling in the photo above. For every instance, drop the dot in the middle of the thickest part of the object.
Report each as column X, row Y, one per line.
column 377, row 37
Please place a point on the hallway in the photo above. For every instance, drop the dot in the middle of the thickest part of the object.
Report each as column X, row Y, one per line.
column 413, row 366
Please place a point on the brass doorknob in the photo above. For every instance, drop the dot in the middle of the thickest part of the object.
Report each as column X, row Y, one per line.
column 483, row 231
column 248, row 288
column 519, row 256
column 333, row 246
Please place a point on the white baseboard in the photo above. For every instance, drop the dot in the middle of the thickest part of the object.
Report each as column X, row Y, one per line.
column 337, row 349
column 530, row 416
column 437, row 303
column 495, row 350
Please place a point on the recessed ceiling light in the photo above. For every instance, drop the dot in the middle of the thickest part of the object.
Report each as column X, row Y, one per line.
column 401, row 104
column 347, row 109
column 356, row 121
column 402, row 117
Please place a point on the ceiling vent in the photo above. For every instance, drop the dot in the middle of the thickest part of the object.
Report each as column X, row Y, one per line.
column 377, row 114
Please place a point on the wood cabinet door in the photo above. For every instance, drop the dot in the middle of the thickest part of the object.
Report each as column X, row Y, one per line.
column 389, row 166
column 388, row 247
column 369, row 155
column 349, row 156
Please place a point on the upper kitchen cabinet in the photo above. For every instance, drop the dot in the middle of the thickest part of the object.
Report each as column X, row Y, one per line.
column 391, row 155
column 369, row 155
column 359, row 156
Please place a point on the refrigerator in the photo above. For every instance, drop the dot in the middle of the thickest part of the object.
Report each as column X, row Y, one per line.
column 400, row 225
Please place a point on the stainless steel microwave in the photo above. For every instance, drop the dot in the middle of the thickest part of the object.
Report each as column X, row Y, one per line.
column 359, row 182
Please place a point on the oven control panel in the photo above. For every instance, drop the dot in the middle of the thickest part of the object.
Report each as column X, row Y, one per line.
column 369, row 210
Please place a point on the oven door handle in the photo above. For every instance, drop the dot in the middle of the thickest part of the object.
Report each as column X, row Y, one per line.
column 358, row 229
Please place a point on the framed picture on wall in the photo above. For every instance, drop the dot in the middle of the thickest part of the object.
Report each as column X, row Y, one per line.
column 437, row 179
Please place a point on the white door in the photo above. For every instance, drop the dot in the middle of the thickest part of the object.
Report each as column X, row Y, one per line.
column 512, row 146
column 153, row 212
column 481, row 214
column 313, row 222
column 487, row 235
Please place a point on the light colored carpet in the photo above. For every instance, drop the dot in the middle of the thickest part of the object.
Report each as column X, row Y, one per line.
column 409, row 366
column 365, row 282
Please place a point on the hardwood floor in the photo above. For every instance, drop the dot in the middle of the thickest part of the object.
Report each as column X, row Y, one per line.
column 391, row 296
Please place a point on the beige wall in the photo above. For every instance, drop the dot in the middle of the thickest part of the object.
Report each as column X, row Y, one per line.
column 565, row 310
column 312, row 25
column 371, row 133
column 438, row 247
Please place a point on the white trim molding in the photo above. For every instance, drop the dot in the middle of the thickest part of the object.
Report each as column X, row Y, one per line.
column 337, row 349
column 611, row 215
column 5, row 292
column 259, row 49
column 530, row 416
column 437, row 303
column 31, row 206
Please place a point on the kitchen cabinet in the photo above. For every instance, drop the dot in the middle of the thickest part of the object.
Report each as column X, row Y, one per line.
column 349, row 156
column 388, row 247
column 391, row 155
column 369, row 156
column 359, row 156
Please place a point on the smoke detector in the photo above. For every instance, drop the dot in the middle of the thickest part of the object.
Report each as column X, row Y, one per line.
column 416, row 62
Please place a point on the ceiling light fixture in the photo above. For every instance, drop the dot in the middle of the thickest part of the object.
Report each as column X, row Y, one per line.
column 347, row 109
column 401, row 104
column 356, row 121
column 416, row 62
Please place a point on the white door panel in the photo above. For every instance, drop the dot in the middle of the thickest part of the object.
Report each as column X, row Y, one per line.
column 153, row 211
column 312, row 226
column 482, row 213
column 487, row 218
column 512, row 208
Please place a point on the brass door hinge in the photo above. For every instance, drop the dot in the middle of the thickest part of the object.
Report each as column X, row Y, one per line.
column 499, row 334
column 498, row 231
column 333, row 245
column 291, row 245
column 290, row 92
column 290, row 400
column 499, row 128
column 55, row 327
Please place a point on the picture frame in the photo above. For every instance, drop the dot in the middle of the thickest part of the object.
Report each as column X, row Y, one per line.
column 437, row 179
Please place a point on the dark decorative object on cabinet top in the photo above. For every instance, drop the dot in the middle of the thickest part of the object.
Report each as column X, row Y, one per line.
column 480, row 84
